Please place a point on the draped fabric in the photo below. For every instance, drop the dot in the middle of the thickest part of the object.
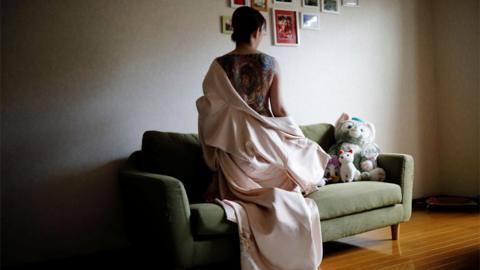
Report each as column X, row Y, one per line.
column 264, row 166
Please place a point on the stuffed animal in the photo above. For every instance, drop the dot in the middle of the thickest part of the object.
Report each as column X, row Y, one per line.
column 368, row 163
column 369, row 156
column 348, row 172
column 333, row 165
column 352, row 133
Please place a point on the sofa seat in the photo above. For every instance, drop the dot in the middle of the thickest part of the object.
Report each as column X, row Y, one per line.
column 209, row 219
column 335, row 200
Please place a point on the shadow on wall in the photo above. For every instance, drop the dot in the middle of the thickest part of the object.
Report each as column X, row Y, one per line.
column 61, row 124
column 416, row 109
column 63, row 213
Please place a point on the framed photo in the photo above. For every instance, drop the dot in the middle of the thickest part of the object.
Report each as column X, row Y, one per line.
column 310, row 20
column 350, row 3
column 311, row 3
column 239, row 3
column 285, row 28
column 283, row 2
column 260, row 5
column 330, row 6
column 227, row 28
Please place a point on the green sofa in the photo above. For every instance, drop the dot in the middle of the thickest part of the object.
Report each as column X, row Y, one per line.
column 162, row 187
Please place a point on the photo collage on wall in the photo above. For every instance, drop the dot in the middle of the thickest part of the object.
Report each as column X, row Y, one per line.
column 286, row 18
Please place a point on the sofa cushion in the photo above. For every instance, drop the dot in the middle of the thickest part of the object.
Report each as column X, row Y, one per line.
column 322, row 133
column 178, row 155
column 337, row 200
column 209, row 219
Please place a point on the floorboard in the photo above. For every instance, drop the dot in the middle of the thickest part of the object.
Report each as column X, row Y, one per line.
column 432, row 239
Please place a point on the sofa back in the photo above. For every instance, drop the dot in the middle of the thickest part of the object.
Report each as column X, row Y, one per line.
column 180, row 155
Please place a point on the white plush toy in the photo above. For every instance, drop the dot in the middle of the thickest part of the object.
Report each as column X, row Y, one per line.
column 348, row 172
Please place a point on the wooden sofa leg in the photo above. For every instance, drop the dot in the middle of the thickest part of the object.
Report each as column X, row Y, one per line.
column 395, row 231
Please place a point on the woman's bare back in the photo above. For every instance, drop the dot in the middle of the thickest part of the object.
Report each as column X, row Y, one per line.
column 251, row 75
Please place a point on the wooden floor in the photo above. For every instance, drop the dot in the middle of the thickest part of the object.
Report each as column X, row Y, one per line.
column 430, row 240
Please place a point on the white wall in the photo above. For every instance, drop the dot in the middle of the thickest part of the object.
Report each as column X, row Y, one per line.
column 82, row 81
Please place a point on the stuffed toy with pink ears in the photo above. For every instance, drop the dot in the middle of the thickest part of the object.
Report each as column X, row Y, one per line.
column 357, row 135
column 348, row 172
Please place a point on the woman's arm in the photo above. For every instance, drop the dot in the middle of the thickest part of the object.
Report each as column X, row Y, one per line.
column 276, row 101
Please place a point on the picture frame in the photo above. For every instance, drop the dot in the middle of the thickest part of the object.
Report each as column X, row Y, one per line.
column 226, row 22
column 331, row 6
column 350, row 3
column 310, row 20
column 285, row 27
column 283, row 2
column 260, row 5
column 239, row 3
column 311, row 3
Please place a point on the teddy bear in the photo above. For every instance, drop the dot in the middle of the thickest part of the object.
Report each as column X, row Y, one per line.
column 352, row 133
column 348, row 172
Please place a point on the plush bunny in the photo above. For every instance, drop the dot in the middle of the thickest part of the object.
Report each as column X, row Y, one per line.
column 368, row 162
column 348, row 172
column 352, row 133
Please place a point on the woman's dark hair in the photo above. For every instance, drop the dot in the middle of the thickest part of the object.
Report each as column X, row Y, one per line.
column 245, row 21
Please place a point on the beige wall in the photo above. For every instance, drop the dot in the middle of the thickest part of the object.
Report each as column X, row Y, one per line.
column 456, row 35
column 82, row 80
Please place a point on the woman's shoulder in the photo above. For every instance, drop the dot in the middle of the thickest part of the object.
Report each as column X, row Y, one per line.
column 223, row 59
column 257, row 54
column 266, row 61
column 266, row 56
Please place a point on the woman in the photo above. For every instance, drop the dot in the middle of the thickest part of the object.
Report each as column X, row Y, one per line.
column 255, row 75
column 263, row 164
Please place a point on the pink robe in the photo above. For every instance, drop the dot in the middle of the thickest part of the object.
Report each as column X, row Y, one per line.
column 262, row 165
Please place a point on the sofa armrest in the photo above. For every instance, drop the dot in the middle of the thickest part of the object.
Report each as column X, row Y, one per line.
column 158, row 215
column 400, row 170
